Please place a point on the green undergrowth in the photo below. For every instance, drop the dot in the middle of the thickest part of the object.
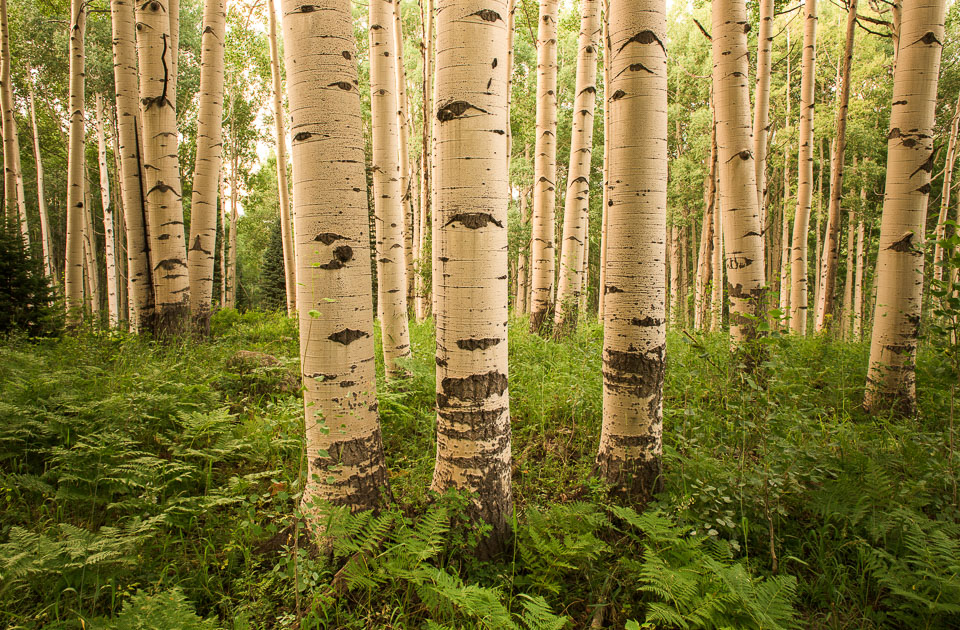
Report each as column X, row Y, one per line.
column 157, row 486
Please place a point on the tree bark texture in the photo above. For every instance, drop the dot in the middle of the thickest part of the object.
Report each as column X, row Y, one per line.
column 891, row 380
column 344, row 447
column 472, row 183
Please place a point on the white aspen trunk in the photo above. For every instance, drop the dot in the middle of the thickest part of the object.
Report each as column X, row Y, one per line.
column 742, row 239
column 761, row 114
column 387, row 191
column 120, row 228
column 523, row 271
column 819, row 213
column 785, row 285
column 543, row 254
column 891, row 381
column 224, row 242
column 15, row 203
column 232, row 251
column 472, row 183
column 286, row 226
column 73, row 266
column 109, row 238
column 206, row 170
column 161, row 170
column 705, row 255
column 511, row 22
column 425, row 299
column 602, row 282
column 857, row 331
column 938, row 252
column 125, row 72
column 631, row 444
column 286, row 212
column 45, row 241
column 801, row 222
column 403, row 125
column 585, row 270
column 831, row 252
column 848, row 283
column 90, row 251
column 674, row 262
column 345, row 463
column 577, row 203
column 716, row 298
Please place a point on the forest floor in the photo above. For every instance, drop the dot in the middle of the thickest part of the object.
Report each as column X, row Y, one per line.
column 157, row 486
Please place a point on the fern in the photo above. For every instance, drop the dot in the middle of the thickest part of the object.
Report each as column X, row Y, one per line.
column 169, row 609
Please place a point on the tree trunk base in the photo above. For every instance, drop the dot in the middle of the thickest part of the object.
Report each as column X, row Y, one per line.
column 635, row 481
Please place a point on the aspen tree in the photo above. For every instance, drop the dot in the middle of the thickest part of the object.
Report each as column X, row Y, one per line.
column 15, row 202
column 45, row 241
column 73, row 268
column 426, row 163
column 232, row 237
column 161, row 171
column 605, row 33
column 511, row 24
column 344, row 445
column 387, row 193
column 89, row 250
column 109, row 248
column 801, row 222
column 761, row 114
column 472, row 183
column 543, row 247
column 577, row 204
column 403, row 126
column 125, row 72
column 634, row 339
column 286, row 226
column 816, row 258
column 743, row 242
column 848, row 283
column 938, row 252
column 716, row 298
column 831, row 251
column 857, row 328
column 523, row 278
column 891, row 380
column 784, row 301
column 206, row 170
column 673, row 265
column 705, row 256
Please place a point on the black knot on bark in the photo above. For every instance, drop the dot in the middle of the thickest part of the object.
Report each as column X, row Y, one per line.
column 474, row 220
column 328, row 237
column 456, row 109
column 347, row 336
column 903, row 244
column 644, row 37
column 487, row 15
column 343, row 85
